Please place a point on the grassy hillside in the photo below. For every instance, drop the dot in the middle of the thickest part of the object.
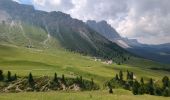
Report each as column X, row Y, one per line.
column 22, row 60
column 119, row 94
column 40, row 62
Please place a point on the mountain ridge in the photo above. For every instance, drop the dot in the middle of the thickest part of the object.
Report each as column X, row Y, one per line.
column 160, row 53
column 72, row 34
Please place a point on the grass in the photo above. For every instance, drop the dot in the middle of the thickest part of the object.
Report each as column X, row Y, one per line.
column 119, row 94
column 46, row 62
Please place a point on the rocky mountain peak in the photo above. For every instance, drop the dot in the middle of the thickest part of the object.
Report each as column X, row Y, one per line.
column 104, row 29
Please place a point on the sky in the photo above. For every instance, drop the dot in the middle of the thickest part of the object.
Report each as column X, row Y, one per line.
column 145, row 20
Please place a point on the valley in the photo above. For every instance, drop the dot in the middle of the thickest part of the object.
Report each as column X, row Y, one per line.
column 52, row 56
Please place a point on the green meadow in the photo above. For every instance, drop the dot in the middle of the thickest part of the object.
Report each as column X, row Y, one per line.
column 45, row 62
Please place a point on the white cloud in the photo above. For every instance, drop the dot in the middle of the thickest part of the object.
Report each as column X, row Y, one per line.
column 53, row 5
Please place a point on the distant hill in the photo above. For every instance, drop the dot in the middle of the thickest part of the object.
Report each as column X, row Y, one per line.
column 160, row 53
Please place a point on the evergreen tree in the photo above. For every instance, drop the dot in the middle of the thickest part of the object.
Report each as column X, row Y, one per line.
column 117, row 77
column 30, row 79
column 1, row 75
column 9, row 76
column 165, row 82
column 55, row 77
column 15, row 77
column 127, row 85
column 142, row 81
column 81, row 79
column 131, row 75
column 150, row 87
column 63, row 79
column 121, row 75
column 142, row 87
column 128, row 75
column 135, row 87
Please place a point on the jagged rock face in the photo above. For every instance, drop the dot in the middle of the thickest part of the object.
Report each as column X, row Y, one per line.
column 104, row 29
column 72, row 34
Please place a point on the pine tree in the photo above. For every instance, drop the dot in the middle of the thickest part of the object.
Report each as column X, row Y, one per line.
column 121, row 75
column 63, row 79
column 128, row 74
column 131, row 75
column 117, row 77
column 30, row 79
column 165, row 82
column 55, row 77
column 151, row 87
column 81, row 79
column 142, row 81
column 15, row 77
column 1, row 75
column 142, row 87
column 9, row 76
column 135, row 87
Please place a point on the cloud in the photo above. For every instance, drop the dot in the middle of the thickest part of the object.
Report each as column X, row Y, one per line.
column 146, row 20
column 53, row 5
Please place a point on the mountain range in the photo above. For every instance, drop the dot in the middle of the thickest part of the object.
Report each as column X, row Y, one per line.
column 160, row 53
column 24, row 26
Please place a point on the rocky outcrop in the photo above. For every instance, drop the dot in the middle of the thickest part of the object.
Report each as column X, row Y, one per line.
column 44, row 84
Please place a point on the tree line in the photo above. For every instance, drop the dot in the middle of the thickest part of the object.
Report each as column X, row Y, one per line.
column 55, row 81
column 159, row 88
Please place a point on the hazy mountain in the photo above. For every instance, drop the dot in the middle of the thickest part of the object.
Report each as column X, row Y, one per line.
column 160, row 53
column 108, row 32
column 71, row 34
